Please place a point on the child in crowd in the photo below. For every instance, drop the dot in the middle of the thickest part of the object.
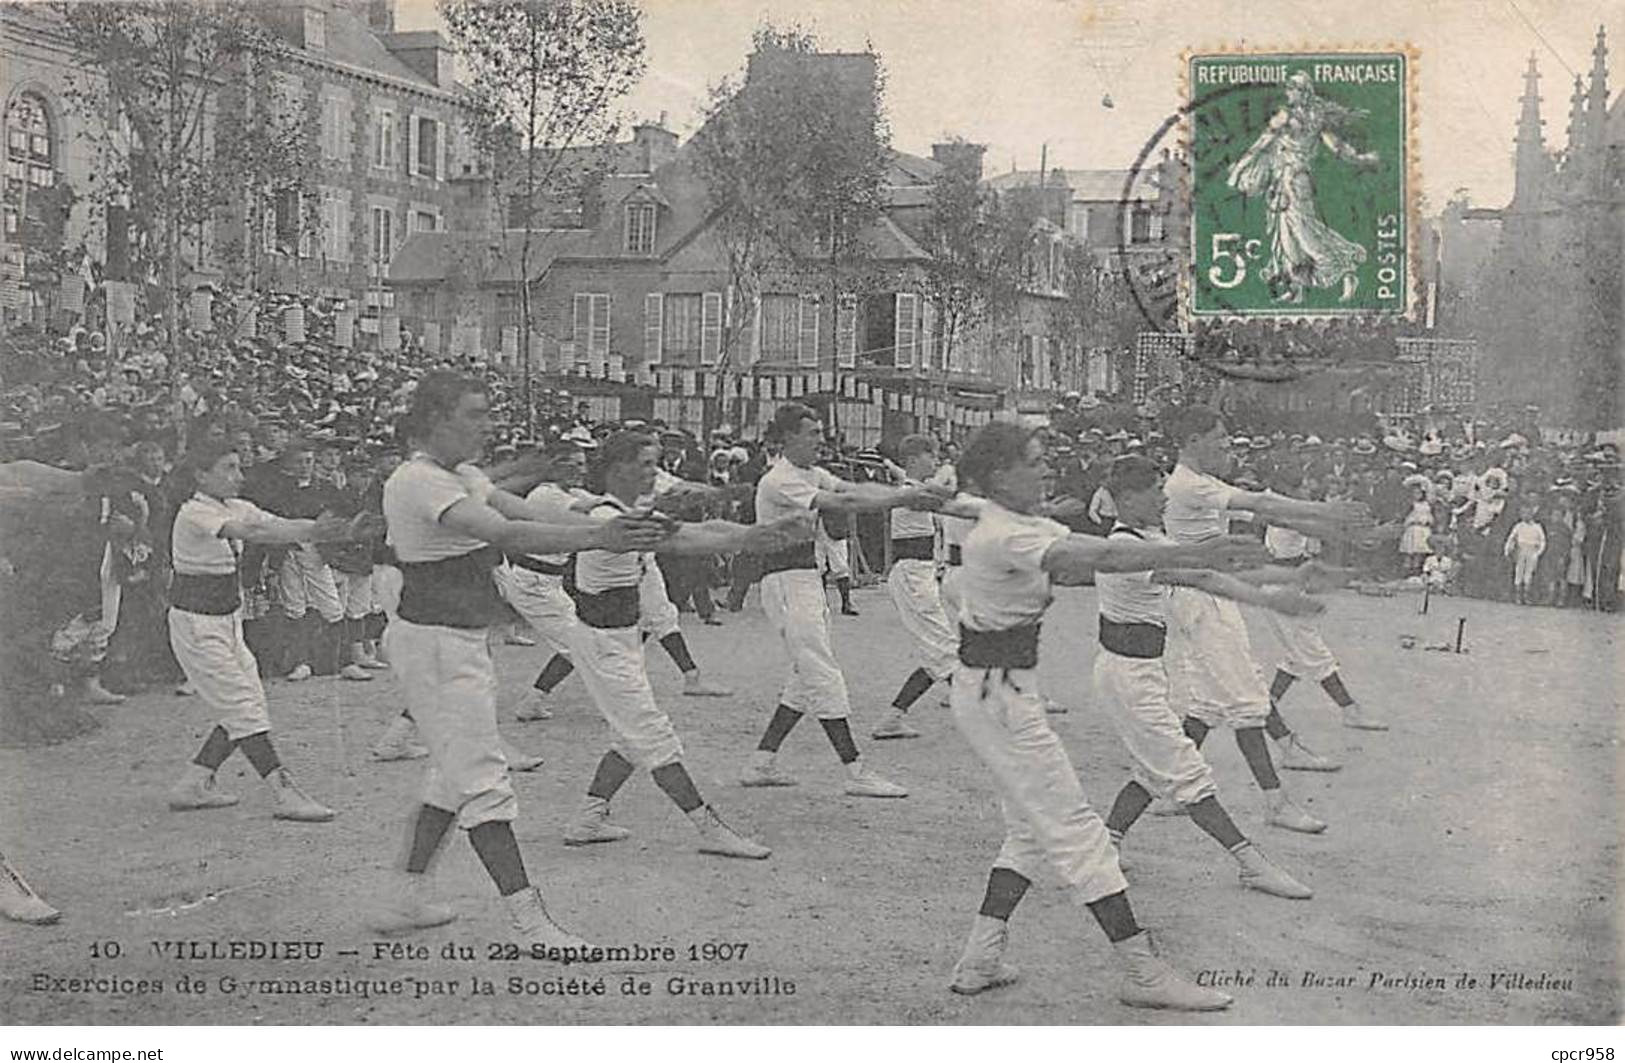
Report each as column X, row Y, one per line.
column 1524, row 544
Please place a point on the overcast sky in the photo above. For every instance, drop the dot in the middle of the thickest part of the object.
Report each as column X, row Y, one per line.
column 1017, row 74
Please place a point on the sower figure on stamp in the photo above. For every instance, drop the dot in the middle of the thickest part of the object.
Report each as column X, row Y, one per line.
column 448, row 536
column 609, row 652
column 1010, row 558
column 1209, row 657
column 206, row 629
column 915, row 591
column 1133, row 686
column 794, row 601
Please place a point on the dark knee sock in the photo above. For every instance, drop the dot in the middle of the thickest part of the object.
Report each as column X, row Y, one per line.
column 215, row 750
column 428, row 830
column 1005, row 888
column 1115, row 917
column 1250, row 740
column 295, row 643
column 677, row 648
column 1195, row 730
column 1281, row 684
column 1333, row 686
column 784, row 718
column 373, row 626
column 843, row 587
column 260, row 753
column 613, row 771
column 1212, row 818
column 914, row 687
column 1131, row 802
column 498, row 850
column 554, row 672
column 840, row 736
column 1275, row 724
column 674, row 780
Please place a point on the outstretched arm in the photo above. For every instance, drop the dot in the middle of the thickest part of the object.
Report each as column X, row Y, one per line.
column 515, row 508
column 1286, row 600
column 726, row 537
column 477, row 520
column 859, row 498
column 1077, row 555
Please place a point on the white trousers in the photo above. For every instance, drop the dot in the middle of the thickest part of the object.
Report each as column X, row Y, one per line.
column 1307, row 655
column 542, row 600
column 1211, row 674
column 611, row 663
column 949, row 593
column 218, row 663
column 830, row 553
column 915, row 593
column 1523, row 567
column 307, row 583
column 1047, row 818
column 450, row 690
column 355, row 593
column 656, row 614
column 1134, row 693
column 796, row 607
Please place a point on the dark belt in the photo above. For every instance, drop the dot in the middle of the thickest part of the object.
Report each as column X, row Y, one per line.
column 1291, row 562
column 1144, row 641
column 210, row 595
column 614, row 608
column 536, row 564
column 956, row 555
column 1015, row 647
column 453, row 592
column 798, row 556
column 914, row 548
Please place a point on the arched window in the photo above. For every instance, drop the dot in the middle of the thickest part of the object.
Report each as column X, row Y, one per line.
column 30, row 162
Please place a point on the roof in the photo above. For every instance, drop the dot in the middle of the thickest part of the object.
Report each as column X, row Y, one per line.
column 906, row 169
column 889, row 243
column 1088, row 186
column 482, row 256
column 351, row 41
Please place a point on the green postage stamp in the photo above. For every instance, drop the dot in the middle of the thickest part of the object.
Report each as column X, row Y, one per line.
column 1301, row 184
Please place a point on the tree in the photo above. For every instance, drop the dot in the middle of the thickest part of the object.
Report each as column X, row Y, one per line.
column 960, row 235
column 175, row 103
column 793, row 160
column 543, row 76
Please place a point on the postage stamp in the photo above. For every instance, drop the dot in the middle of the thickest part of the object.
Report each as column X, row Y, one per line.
column 1301, row 183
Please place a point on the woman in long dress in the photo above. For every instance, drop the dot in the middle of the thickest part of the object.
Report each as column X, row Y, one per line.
column 1304, row 251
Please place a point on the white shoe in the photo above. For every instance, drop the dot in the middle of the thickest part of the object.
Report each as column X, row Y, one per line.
column 519, row 760
column 545, row 939
column 696, row 687
column 593, row 825
column 186, row 690
column 197, row 791
column 533, row 706
column 1288, row 816
column 895, row 725
column 355, row 673
column 97, row 694
column 294, row 804
column 1357, row 717
column 408, row 909
column 1258, row 873
column 516, row 638
column 299, row 674
column 1148, row 982
column 722, row 840
column 19, row 902
column 1295, row 756
column 981, row 966
column 765, row 775
column 1053, row 707
column 398, row 743
column 866, row 783
column 369, row 661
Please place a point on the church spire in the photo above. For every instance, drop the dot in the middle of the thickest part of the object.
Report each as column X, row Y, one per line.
column 1597, row 97
column 1574, row 149
column 1531, row 162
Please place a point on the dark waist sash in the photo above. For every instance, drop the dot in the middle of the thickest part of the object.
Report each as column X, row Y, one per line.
column 1132, row 640
column 956, row 555
column 1015, row 647
column 536, row 564
column 914, row 548
column 209, row 595
column 452, row 592
column 1291, row 562
column 798, row 556
column 614, row 608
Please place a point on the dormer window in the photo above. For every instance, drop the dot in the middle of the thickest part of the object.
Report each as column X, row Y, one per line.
column 315, row 29
column 640, row 228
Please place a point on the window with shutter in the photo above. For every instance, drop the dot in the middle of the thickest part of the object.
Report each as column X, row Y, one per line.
column 413, row 143
column 928, row 334
column 710, row 328
column 906, row 329
column 439, row 150
column 846, row 332
column 807, row 337
column 581, row 327
column 653, row 325
column 780, row 327
column 600, row 329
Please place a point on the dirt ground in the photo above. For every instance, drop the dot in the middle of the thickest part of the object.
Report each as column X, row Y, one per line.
column 1479, row 837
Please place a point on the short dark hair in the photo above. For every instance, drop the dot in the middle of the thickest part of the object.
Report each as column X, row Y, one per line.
column 619, row 448
column 202, row 456
column 788, row 418
column 1186, row 423
column 438, row 393
column 995, row 447
column 1132, row 472
column 561, row 450
column 916, row 444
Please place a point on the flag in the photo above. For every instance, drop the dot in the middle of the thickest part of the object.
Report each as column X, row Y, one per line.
column 121, row 303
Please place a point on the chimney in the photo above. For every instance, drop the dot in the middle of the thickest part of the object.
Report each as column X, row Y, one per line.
column 425, row 51
column 653, row 145
column 959, row 152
